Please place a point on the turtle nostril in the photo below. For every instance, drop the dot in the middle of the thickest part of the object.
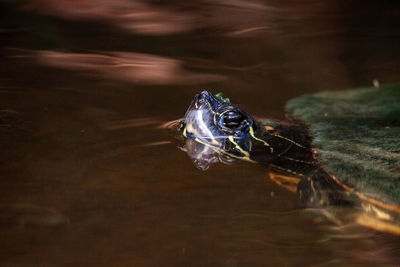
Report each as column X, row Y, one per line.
column 205, row 94
column 199, row 97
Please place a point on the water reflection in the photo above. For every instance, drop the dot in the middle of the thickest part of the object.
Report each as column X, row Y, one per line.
column 135, row 16
column 204, row 156
column 22, row 215
column 128, row 67
column 156, row 18
column 136, row 122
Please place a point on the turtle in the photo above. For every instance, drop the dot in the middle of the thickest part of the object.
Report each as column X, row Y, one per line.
column 312, row 152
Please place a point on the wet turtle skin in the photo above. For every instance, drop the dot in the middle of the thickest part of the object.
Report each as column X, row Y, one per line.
column 217, row 131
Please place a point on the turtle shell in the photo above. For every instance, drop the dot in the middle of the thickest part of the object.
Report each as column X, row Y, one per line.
column 356, row 134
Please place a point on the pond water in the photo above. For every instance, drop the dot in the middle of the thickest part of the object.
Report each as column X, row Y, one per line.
column 89, row 175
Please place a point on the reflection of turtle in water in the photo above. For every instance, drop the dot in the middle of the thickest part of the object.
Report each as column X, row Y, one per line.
column 353, row 155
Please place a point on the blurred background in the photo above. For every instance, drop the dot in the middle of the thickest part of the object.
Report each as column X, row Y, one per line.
column 89, row 174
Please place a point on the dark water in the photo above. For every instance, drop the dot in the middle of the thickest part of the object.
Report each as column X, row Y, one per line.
column 89, row 176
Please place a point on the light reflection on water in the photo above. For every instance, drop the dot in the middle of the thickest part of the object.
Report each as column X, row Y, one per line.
column 136, row 16
column 145, row 17
column 90, row 177
column 128, row 67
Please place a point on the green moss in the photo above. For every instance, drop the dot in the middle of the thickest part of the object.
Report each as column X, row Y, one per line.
column 357, row 135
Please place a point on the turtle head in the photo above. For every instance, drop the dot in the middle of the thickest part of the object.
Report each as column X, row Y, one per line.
column 212, row 119
column 220, row 128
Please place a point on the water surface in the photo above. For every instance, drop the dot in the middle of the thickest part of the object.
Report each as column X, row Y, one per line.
column 89, row 176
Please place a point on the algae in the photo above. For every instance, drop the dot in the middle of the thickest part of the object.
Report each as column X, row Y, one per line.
column 357, row 136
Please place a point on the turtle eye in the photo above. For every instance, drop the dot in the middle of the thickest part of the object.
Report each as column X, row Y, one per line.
column 231, row 119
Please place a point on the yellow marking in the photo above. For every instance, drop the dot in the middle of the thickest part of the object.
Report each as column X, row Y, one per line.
column 258, row 139
column 312, row 186
column 209, row 105
column 287, row 139
column 280, row 179
column 288, row 179
column 200, row 117
column 184, row 132
column 238, row 147
column 386, row 206
column 369, row 208
column 287, row 170
column 376, row 224
column 224, row 112
column 202, row 152
column 217, row 149
column 298, row 160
